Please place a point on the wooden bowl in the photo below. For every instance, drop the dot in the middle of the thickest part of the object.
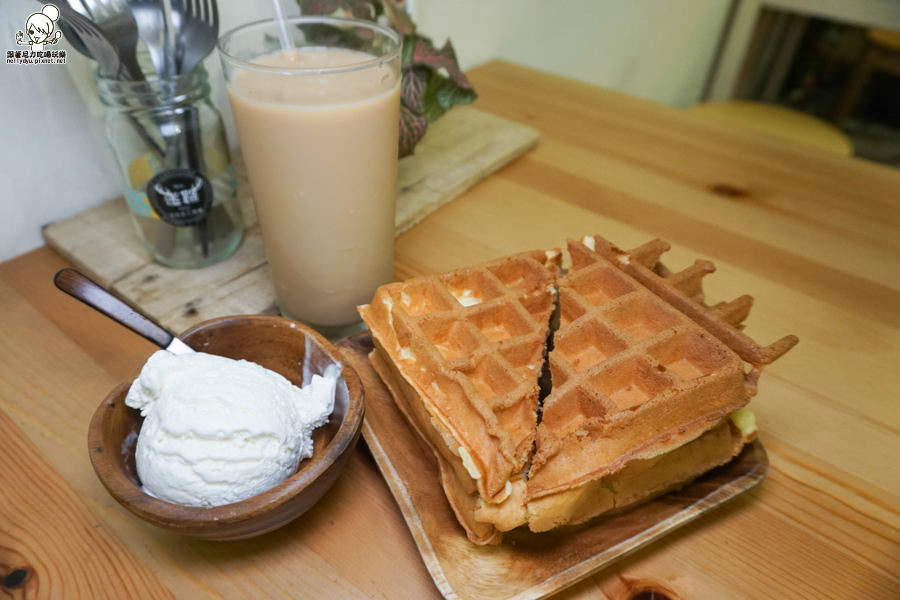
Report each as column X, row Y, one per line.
column 276, row 343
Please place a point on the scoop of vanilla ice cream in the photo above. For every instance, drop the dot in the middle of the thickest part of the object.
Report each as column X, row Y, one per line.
column 218, row 430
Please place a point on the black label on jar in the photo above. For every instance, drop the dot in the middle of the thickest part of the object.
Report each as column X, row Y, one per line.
column 180, row 197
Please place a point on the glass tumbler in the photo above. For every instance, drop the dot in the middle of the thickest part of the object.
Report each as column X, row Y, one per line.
column 169, row 143
column 318, row 125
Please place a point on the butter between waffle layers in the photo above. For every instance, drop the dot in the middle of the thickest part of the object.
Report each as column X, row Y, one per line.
column 641, row 399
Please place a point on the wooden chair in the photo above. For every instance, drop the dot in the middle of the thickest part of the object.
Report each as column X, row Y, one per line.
column 791, row 125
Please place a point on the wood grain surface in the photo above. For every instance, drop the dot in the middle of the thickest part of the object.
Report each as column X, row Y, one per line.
column 813, row 237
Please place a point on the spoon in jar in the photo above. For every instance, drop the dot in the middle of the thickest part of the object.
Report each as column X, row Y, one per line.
column 79, row 286
column 198, row 33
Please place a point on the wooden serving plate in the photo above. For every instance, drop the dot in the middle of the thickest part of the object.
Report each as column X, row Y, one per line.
column 526, row 566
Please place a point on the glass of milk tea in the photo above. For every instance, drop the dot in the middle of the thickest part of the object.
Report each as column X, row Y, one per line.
column 316, row 104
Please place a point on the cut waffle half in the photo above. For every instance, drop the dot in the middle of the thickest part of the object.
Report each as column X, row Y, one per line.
column 463, row 352
column 633, row 378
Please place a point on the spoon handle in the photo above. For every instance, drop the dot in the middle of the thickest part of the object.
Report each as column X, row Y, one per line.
column 79, row 286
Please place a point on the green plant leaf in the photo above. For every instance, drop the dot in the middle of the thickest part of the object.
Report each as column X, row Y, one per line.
column 444, row 83
column 412, row 101
column 424, row 53
column 441, row 94
column 412, row 89
column 412, row 129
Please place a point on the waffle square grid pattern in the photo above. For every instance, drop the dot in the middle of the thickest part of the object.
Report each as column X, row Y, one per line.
column 472, row 342
column 642, row 389
column 629, row 346
column 632, row 378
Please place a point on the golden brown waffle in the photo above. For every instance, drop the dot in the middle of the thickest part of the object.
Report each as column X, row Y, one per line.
column 468, row 346
column 644, row 379
column 684, row 291
column 633, row 378
column 639, row 481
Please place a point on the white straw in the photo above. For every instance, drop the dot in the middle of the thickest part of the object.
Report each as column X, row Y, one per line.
column 284, row 34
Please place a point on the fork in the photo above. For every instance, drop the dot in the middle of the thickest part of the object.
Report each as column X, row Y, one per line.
column 114, row 19
column 93, row 39
column 74, row 39
column 99, row 48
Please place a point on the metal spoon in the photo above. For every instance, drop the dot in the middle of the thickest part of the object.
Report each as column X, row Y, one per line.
column 150, row 17
column 198, row 32
column 79, row 286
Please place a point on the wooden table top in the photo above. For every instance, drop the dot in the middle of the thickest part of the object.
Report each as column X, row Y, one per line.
column 813, row 237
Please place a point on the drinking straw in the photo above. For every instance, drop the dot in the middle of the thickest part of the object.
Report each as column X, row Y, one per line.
column 283, row 33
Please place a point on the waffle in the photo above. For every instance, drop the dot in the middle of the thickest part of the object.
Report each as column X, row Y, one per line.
column 633, row 378
column 639, row 481
column 462, row 353
column 684, row 291
column 646, row 381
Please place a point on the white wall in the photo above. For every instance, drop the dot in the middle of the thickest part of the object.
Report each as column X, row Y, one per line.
column 54, row 161
column 661, row 50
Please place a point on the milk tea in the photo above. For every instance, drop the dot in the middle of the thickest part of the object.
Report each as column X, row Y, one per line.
column 321, row 156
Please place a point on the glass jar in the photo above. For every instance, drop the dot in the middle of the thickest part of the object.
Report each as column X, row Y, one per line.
column 169, row 143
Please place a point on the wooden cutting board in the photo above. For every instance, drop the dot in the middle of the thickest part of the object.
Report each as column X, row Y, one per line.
column 461, row 149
